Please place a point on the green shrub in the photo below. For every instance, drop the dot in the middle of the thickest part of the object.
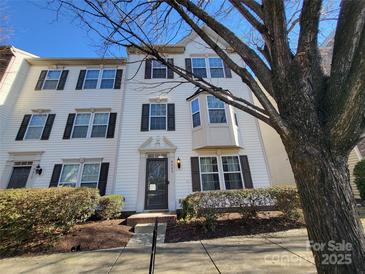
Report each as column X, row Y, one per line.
column 28, row 215
column 109, row 207
column 359, row 174
column 209, row 205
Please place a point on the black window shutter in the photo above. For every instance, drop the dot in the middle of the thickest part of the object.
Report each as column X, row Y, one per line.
column 103, row 178
column 246, row 171
column 48, row 127
column 188, row 67
column 195, row 174
column 63, row 78
column 23, row 127
column 170, row 73
column 111, row 126
column 145, row 117
column 55, row 175
column 69, row 124
column 170, row 117
column 80, row 81
column 147, row 69
column 41, row 79
column 227, row 71
column 118, row 79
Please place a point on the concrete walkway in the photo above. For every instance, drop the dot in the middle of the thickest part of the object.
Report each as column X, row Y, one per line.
column 282, row 252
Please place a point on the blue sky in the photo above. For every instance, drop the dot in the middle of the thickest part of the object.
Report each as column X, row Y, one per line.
column 36, row 29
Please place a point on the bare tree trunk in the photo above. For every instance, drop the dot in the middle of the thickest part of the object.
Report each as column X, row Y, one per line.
column 334, row 228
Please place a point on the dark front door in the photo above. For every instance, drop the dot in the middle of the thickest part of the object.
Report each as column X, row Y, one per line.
column 19, row 177
column 156, row 184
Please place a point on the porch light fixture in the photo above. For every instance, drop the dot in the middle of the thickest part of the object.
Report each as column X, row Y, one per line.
column 38, row 170
column 178, row 162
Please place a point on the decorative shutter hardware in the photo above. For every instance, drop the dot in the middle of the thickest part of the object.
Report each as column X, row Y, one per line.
column 170, row 73
column 188, row 66
column 118, row 79
column 103, row 178
column 111, row 125
column 80, row 80
column 147, row 69
column 63, row 78
column 42, row 77
column 69, row 124
column 55, row 175
column 195, row 174
column 48, row 127
column 170, row 117
column 145, row 117
column 246, row 171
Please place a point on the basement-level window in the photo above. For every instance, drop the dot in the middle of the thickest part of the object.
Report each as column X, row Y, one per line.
column 209, row 173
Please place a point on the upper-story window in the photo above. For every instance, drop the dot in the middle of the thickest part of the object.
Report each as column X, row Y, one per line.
column 216, row 68
column 158, row 116
column 36, row 126
column 91, row 79
column 159, row 70
column 195, row 110
column 216, row 110
column 108, row 78
column 199, row 67
column 209, row 173
column 52, row 79
column 103, row 79
column 97, row 122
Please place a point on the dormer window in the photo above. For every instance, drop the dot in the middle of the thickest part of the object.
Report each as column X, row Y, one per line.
column 216, row 110
column 159, row 70
column 199, row 67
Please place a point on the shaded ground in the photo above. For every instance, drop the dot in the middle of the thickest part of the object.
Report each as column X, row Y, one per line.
column 229, row 225
column 83, row 237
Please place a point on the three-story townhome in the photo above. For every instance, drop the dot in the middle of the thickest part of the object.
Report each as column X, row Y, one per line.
column 62, row 129
column 175, row 140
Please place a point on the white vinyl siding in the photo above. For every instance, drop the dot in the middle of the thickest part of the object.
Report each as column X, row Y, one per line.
column 36, row 126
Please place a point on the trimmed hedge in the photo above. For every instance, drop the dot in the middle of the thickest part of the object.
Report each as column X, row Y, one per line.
column 359, row 174
column 209, row 205
column 27, row 215
column 109, row 207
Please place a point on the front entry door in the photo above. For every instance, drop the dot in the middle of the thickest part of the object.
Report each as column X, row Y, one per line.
column 19, row 177
column 156, row 183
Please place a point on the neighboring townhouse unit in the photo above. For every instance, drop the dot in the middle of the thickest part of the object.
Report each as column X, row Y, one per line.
column 183, row 140
column 128, row 127
column 62, row 129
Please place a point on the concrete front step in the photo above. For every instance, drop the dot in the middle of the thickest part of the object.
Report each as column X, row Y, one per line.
column 149, row 218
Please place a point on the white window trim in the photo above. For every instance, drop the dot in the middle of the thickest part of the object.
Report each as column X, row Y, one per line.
column 240, row 171
column 224, row 108
column 218, row 172
column 79, row 172
column 165, row 67
column 150, row 117
column 92, row 124
column 192, row 113
column 44, row 126
column 83, row 166
column 98, row 80
column 224, row 72
column 115, row 76
column 89, row 126
column 58, row 80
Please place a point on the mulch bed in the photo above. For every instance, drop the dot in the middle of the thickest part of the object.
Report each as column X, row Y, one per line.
column 83, row 237
column 229, row 225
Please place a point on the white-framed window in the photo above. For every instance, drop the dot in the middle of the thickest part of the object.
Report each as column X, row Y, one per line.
column 100, row 124
column 158, row 116
column 199, row 67
column 108, row 78
column 52, row 79
column 216, row 67
column 81, row 125
column 80, row 175
column 209, row 173
column 195, row 112
column 36, row 126
column 232, row 172
column 216, row 110
column 159, row 70
column 92, row 125
column 91, row 79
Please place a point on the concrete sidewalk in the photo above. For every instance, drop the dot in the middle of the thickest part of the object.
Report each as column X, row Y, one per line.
column 282, row 252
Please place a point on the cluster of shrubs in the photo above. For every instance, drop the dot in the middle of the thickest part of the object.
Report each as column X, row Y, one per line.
column 359, row 174
column 28, row 216
column 209, row 205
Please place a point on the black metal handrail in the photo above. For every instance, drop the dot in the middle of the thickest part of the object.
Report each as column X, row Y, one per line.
column 153, row 250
